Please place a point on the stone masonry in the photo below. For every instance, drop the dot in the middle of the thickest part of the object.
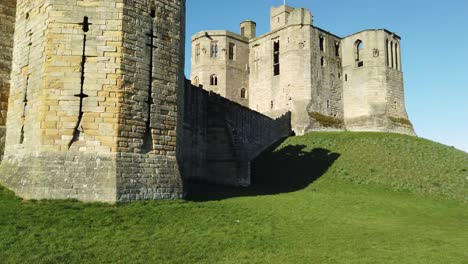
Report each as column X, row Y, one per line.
column 327, row 82
column 221, row 138
column 94, row 109
column 99, row 108
column 7, row 27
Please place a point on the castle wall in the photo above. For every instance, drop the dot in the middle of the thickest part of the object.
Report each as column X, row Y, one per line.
column 289, row 91
column 223, row 137
column 373, row 91
column 231, row 72
column 147, row 163
column 326, row 106
column 95, row 122
column 44, row 111
column 7, row 24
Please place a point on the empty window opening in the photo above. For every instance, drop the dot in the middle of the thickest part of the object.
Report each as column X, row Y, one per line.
column 322, row 61
column 232, row 51
column 153, row 12
column 271, row 104
column 328, row 104
column 197, row 52
column 214, row 50
column 346, row 77
column 243, row 93
column 322, row 43
column 359, row 46
column 276, row 58
column 214, row 80
column 386, row 53
column 337, row 49
column 391, row 54
column 196, row 81
column 397, row 64
column 278, row 19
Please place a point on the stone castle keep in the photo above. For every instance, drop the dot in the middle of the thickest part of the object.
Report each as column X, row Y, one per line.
column 99, row 109
column 327, row 82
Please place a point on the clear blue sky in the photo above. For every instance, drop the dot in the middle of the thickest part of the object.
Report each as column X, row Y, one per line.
column 434, row 48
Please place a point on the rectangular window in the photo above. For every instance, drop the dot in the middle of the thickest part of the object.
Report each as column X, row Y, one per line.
column 276, row 58
column 337, row 49
column 214, row 49
column 197, row 52
column 322, row 43
column 232, row 51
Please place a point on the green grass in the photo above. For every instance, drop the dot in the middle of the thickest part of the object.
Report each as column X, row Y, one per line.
column 321, row 212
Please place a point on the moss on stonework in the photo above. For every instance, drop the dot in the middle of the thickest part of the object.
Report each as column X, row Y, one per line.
column 327, row 121
column 400, row 120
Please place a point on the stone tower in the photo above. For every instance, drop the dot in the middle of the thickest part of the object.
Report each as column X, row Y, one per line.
column 220, row 61
column 327, row 82
column 7, row 22
column 373, row 83
column 94, row 102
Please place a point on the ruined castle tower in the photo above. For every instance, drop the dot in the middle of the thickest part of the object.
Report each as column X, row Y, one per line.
column 94, row 100
column 325, row 81
column 7, row 24
column 373, row 83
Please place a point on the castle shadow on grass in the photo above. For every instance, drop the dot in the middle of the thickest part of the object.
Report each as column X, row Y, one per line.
column 276, row 171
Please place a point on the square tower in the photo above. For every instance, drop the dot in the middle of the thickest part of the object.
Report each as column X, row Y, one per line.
column 93, row 110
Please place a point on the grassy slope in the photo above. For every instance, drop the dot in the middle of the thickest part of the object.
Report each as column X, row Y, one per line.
column 329, row 221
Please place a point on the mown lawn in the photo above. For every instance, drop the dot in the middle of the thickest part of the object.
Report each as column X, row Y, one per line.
column 323, row 212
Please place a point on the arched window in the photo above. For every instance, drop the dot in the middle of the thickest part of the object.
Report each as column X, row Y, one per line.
column 243, row 93
column 359, row 45
column 214, row 80
column 196, row 81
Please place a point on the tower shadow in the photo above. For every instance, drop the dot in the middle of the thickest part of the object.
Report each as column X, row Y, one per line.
column 286, row 170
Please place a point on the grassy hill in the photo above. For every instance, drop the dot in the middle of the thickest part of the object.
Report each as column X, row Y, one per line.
column 320, row 198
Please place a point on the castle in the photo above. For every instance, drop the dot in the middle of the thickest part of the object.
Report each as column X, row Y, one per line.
column 327, row 82
column 99, row 109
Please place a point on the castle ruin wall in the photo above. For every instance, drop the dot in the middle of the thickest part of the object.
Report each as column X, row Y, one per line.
column 7, row 24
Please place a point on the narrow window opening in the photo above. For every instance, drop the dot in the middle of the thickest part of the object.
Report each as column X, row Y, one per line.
column 243, row 93
column 337, row 49
column 214, row 80
column 359, row 46
column 346, row 77
column 232, row 50
column 276, row 58
column 391, row 54
column 322, row 61
column 386, row 53
column 196, row 81
column 153, row 13
column 271, row 104
column 214, row 50
column 197, row 52
column 397, row 65
column 322, row 43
